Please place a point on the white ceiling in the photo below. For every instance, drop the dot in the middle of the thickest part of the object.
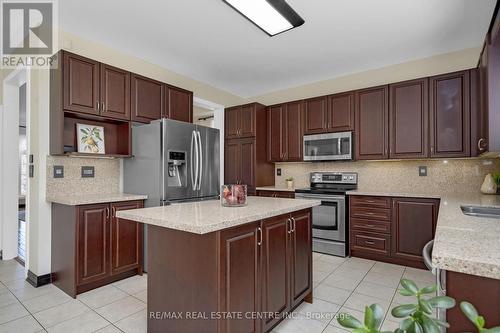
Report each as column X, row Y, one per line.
column 208, row 41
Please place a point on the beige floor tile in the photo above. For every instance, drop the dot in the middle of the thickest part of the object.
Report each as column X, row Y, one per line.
column 133, row 284
column 331, row 294
column 319, row 276
column 121, row 309
column 321, row 266
column 12, row 312
column 359, row 302
column 317, row 255
column 27, row 291
column 389, row 325
column 342, row 282
column 109, row 329
column 420, row 276
column 359, row 315
column 142, row 295
column 7, row 298
column 86, row 322
column 382, row 267
column 359, row 263
column 12, row 273
column 26, row 324
column 60, row 313
column 388, row 280
column 332, row 259
column 318, row 310
column 300, row 324
column 102, row 296
column 136, row 323
column 334, row 329
column 54, row 298
column 349, row 272
column 375, row 290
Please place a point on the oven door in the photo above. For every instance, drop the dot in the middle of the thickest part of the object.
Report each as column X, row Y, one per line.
column 327, row 147
column 328, row 219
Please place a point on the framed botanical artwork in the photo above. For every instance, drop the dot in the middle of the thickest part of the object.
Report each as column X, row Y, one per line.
column 90, row 139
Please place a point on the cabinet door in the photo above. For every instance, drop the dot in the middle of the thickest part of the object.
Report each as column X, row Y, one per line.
column 450, row 115
column 482, row 135
column 372, row 123
column 80, row 84
column 414, row 223
column 147, row 99
column 301, row 256
column 409, row 114
column 92, row 243
column 126, row 239
column 247, row 162
column 315, row 115
column 232, row 162
column 275, row 268
column 247, row 121
column 293, row 132
column 232, row 122
column 341, row 112
column 115, row 92
column 275, row 133
column 178, row 104
column 239, row 280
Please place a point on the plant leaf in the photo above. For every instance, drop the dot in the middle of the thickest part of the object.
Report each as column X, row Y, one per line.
column 405, row 292
column 425, row 305
column 360, row 330
column 495, row 329
column 429, row 325
column 469, row 311
column 480, row 321
column 409, row 285
column 428, row 290
column 369, row 318
column 405, row 324
column 348, row 321
column 441, row 323
column 404, row 310
column 443, row 302
column 415, row 328
column 378, row 315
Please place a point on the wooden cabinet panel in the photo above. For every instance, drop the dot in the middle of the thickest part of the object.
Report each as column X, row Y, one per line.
column 178, row 104
column 232, row 122
column 276, row 194
column 414, row 225
column 80, row 84
column 377, row 202
column 450, row 115
column 341, row 112
column 301, row 256
column 371, row 242
column 93, row 246
column 241, row 121
column 240, row 163
column 315, row 115
column 293, row 132
column 232, row 162
column 275, row 149
column 115, row 92
column 247, row 121
column 146, row 98
column 371, row 213
column 409, row 114
column 275, row 268
column 239, row 281
column 371, row 115
column 371, row 225
column 247, row 159
column 126, row 239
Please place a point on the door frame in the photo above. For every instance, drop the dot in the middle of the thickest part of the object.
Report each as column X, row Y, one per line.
column 9, row 172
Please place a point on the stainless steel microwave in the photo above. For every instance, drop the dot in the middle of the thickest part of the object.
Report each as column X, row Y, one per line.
column 328, row 147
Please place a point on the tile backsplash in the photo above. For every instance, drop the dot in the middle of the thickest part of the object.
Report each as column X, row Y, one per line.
column 106, row 179
column 443, row 176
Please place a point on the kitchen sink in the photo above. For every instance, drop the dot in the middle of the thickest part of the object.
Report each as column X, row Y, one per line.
column 478, row 211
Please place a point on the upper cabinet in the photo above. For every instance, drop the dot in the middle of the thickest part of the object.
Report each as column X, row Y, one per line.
column 115, row 92
column 450, row 115
column 409, row 116
column 284, row 139
column 147, row 99
column 315, row 115
column 340, row 116
column 178, row 104
column 372, row 123
column 241, row 121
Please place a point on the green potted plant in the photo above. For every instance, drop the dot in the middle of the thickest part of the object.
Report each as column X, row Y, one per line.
column 496, row 179
column 289, row 183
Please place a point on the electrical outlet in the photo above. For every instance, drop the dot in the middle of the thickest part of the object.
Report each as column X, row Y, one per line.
column 88, row 172
column 422, row 171
column 278, row 172
column 58, row 171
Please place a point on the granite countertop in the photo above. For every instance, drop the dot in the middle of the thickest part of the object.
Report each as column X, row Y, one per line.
column 462, row 243
column 275, row 188
column 87, row 199
column 203, row 217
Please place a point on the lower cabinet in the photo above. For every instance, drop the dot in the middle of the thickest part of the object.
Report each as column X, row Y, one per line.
column 91, row 247
column 393, row 230
column 276, row 194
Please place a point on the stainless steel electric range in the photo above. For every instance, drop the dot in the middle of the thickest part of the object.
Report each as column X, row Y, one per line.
column 330, row 218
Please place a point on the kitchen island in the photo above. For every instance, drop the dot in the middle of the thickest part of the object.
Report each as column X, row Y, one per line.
column 219, row 269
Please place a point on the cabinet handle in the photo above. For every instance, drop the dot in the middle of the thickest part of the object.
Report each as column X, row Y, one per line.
column 107, row 212
column 480, row 145
column 289, row 226
column 103, row 106
column 370, row 201
column 98, row 106
column 432, row 150
column 259, row 236
column 293, row 224
column 113, row 212
column 370, row 242
column 369, row 213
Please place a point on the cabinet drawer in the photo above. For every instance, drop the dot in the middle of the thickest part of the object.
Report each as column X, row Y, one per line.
column 379, row 202
column 276, row 194
column 371, row 225
column 371, row 242
column 371, row 213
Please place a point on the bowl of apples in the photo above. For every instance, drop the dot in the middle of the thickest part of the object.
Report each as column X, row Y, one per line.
column 233, row 195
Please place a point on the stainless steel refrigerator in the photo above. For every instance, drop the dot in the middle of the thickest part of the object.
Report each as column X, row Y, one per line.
column 172, row 162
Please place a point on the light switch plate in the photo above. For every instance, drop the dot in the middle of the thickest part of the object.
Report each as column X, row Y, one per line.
column 278, row 172
column 88, row 172
column 58, row 171
column 422, row 171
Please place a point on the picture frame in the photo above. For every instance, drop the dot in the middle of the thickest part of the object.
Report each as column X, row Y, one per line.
column 90, row 139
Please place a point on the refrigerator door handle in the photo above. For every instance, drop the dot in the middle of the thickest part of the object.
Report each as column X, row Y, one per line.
column 197, row 155
column 200, row 159
column 193, row 138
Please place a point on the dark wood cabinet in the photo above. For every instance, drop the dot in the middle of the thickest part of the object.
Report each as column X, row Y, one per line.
column 450, row 115
column 293, row 132
column 372, row 123
column 240, row 163
column 315, row 115
column 392, row 230
column 147, row 98
column 80, row 84
column 91, row 247
column 92, row 243
column 247, row 158
column 276, row 194
column 115, row 92
column 126, row 239
column 242, row 121
column 301, row 256
column 232, row 122
column 239, row 275
column 340, row 116
column 178, row 104
column 409, row 119
column 248, row 120
column 276, row 133
column 285, row 132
